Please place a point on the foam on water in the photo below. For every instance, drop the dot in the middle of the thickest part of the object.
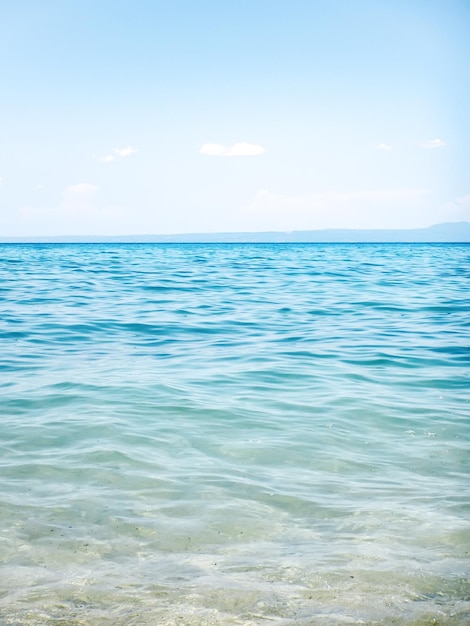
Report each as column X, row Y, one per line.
column 234, row 434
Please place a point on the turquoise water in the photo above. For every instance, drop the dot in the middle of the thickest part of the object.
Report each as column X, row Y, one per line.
column 234, row 434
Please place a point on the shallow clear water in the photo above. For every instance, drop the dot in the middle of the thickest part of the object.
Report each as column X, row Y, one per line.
column 234, row 434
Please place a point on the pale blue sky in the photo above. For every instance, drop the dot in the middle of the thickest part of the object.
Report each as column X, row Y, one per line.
column 150, row 116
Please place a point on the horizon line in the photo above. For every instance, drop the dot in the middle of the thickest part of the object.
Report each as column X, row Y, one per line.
column 239, row 232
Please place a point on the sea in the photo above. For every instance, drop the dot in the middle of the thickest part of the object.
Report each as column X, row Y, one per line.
column 233, row 434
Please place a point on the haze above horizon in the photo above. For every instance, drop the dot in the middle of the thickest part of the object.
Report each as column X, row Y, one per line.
column 149, row 117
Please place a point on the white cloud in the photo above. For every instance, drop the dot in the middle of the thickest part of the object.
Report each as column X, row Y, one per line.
column 458, row 210
column 237, row 149
column 383, row 146
column 1, row 181
column 78, row 198
column 245, row 149
column 214, row 149
column 125, row 152
column 433, row 143
column 387, row 208
column 79, row 211
column 118, row 153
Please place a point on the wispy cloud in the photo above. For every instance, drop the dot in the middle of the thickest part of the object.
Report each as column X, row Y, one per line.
column 125, row 152
column 78, row 198
column 79, row 209
column 433, row 143
column 1, row 181
column 237, row 149
column 458, row 210
column 118, row 153
column 383, row 146
column 107, row 159
column 373, row 208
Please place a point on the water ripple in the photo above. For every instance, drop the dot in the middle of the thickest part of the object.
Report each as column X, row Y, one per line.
column 231, row 434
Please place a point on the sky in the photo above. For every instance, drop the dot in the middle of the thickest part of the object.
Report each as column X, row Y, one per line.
column 152, row 117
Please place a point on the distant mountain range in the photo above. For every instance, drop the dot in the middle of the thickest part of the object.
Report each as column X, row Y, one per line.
column 451, row 232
